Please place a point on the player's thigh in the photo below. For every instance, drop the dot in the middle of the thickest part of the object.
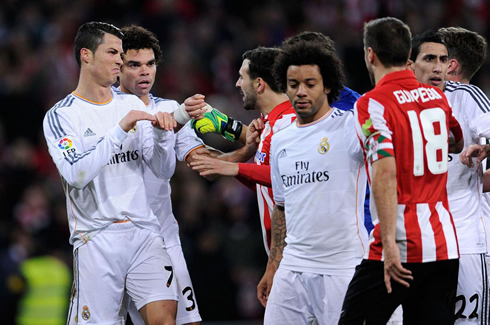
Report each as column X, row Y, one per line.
column 98, row 295
column 326, row 293
column 187, row 309
column 288, row 300
column 151, row 275
column 433, row 293
column 472, row 292
column 366, row 300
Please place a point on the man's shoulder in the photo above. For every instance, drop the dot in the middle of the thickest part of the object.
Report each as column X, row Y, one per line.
column 284, row 134
column 164, row 104
column 63, row 105
column 459, row 92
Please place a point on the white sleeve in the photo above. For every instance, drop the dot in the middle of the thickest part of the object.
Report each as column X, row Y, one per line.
column 78, row 167
column 277, row 186
column 354, row 147
column 158, row 150
column 186, row 141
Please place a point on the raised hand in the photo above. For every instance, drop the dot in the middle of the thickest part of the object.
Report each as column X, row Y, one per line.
column 129, row 121
column 164, row 121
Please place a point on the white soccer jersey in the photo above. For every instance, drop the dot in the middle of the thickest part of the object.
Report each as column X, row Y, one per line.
column 464, row 184
column 318, row 175
column 101, row 166
column 159, row 189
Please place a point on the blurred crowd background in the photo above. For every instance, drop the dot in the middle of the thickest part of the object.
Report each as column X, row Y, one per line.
column 202, row 42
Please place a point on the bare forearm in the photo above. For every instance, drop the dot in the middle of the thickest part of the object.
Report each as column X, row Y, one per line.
column 242, row 154
column 278, row 236
column 384, row 194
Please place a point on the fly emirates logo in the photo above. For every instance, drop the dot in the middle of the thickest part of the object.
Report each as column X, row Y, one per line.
column 303, row 175
column 416, row 95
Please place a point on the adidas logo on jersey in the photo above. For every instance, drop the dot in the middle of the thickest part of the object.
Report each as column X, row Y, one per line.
column 89, row 133
column 283, row 153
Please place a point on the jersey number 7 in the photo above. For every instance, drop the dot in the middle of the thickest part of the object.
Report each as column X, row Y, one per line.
column 434, row 131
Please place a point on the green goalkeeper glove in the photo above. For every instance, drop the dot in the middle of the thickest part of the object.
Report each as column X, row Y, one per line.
column 216, row 122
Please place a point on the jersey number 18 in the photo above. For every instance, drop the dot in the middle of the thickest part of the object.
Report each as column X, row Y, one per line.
column 431, row 119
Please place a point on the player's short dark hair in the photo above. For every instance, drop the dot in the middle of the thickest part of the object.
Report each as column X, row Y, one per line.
column 90, row 35
column 261, row 62
column 308, row 36
column 390, row 40
column 467, row 47
column 139, row 38
column 310, row 53
column 428, row 36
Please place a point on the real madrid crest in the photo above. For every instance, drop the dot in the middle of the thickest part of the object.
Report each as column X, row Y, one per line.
column 324, row 146
column 85, row 313
column 133, row 130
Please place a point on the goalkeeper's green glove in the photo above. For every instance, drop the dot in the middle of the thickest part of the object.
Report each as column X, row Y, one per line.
column 216, row 122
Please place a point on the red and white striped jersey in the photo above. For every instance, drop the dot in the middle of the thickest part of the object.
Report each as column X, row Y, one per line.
column 410, row 121
column 280, row 117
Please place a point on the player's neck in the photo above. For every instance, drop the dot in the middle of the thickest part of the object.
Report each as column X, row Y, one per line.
column 145, row 98
column 269, row 102
column 456, row 78
column 91, row 90
column 381, row 71
column 325, row 110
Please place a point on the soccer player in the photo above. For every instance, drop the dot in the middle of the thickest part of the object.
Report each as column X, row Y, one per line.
column 430, row 61
column 250, row 174
column 260, row 92
column 404, row 126
column 319, row 181
column 141, row 56
column 467, row 53
column 101, row 142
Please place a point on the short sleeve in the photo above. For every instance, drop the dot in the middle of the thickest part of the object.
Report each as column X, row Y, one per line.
column 277, row 187
column 373, row 130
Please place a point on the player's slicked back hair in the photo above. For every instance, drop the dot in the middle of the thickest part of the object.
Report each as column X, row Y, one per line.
column 429, row 36
column 90, row 35
column 310, row 53
column 390, row 40
column 261, row 62
column 308, row 36
column 139, row 38
column 467, row 47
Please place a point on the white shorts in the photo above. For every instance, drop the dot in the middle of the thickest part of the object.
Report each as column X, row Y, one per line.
column 121, row 258
column 300, row 298
column 187, row 310
column 472, row 292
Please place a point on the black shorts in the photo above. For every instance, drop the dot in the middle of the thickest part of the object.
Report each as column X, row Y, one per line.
column 430, row 299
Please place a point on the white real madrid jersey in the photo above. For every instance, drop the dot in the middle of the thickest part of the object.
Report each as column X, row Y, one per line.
column 101, row 166
column 464, row 184
column 159, row 191
column 318, row 175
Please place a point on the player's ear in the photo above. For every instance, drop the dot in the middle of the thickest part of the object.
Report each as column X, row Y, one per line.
column 260, row 84
column 85, row 55
column 410, row 65
column 370, row 55
column 327, row 90
column 453, row 67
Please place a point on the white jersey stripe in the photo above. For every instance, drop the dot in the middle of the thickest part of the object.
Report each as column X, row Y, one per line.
column 401, row 233
column 428, row 239
column 449, row 233
column 376, row 112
